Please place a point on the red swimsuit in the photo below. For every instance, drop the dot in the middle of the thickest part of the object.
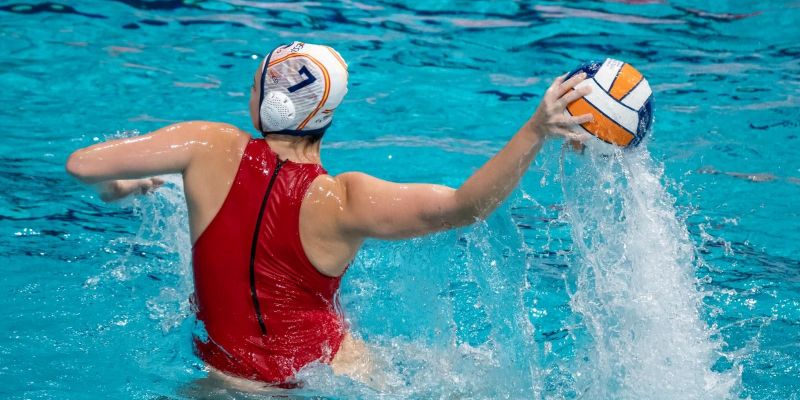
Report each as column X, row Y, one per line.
column 267, row 310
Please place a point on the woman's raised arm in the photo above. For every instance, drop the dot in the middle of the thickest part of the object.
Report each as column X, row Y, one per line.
column 376, row 208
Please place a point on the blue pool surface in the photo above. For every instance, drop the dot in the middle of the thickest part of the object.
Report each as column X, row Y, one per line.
column 94, row 297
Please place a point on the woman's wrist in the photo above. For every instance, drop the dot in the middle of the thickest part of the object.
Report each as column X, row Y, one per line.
column 533, row 132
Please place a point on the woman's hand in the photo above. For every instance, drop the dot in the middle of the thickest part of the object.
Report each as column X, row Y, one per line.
column 121, row 188
column 550, row 120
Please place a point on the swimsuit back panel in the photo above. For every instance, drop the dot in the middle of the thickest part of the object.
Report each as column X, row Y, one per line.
column 266, row 309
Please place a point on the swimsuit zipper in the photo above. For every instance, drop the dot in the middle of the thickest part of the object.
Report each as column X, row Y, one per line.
column 278, row 166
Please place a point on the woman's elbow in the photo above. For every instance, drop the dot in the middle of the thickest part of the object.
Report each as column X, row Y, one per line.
column 457, row 218
column 467, row 213
column 467, row 218
column 78, row 168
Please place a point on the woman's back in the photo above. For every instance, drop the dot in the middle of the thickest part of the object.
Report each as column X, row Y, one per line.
column 266, row 309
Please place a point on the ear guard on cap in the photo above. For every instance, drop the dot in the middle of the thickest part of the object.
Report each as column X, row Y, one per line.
column 277, row 112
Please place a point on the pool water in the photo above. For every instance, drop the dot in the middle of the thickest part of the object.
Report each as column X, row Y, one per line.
column 672, row 271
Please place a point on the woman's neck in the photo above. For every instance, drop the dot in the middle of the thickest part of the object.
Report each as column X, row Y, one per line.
column 297, row 149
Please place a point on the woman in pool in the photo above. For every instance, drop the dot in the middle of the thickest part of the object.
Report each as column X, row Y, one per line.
column 273, row 233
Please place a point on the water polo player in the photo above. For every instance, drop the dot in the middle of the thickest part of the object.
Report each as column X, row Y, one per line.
column 273, row 233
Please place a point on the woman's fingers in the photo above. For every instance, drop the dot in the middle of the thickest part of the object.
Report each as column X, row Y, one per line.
column 573, row 137
column 577, row 146
column 569, row 84
column 582, row 119
column 570, row 122
column 573, row 95
column 147, row 185
column 550, row 118
column 565, row 132
column 571, row 132
column 553, row 89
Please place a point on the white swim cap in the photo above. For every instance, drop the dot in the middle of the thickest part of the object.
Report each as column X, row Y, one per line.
column 301, row 86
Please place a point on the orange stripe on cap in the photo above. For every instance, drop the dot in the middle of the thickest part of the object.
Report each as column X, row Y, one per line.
column 327, row 84
column 627, row 78
column 602, row 127
column 341, row 61
column 286, row 57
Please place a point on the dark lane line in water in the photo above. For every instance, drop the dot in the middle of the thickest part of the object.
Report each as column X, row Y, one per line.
column 56, row 8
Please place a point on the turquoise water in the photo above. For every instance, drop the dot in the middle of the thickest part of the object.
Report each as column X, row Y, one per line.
column 689, row 287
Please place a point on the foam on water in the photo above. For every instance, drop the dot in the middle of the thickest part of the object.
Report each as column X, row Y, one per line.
column 634, row 285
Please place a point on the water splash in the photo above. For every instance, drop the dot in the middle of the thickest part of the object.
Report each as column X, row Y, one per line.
column 442, row 316
column 165, row 221
column 634, row 285
column 160, row 249
column 459, row 302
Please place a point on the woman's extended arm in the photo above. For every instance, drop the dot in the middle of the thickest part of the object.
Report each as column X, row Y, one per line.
column 166, row 150
column 371, row 207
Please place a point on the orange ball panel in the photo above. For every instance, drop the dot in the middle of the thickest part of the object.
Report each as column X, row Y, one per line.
column 627, row 78
column 602, row 127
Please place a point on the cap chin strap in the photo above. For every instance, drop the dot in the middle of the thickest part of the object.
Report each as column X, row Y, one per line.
column 292, row 132
column 261, row 125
